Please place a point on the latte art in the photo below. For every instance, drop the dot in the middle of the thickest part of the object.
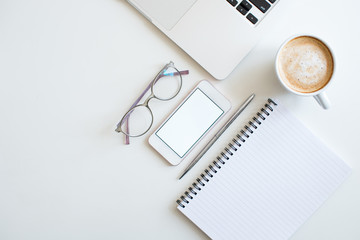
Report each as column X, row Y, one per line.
column 305, row 64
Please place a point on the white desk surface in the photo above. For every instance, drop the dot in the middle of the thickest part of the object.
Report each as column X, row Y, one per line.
column 70, row 69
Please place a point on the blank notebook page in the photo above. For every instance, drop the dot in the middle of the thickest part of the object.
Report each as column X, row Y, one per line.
column 271, row 184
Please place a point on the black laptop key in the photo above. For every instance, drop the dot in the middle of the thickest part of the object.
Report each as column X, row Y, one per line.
column 272, row 1
column 241, row 9
column 246, row 5
column 261, row 4
column 252, row 18
column 232, row 2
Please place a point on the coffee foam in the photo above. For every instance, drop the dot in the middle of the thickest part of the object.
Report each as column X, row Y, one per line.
column 305, row 64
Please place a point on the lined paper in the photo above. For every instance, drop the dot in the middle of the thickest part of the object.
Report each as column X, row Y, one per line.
column 271, row 185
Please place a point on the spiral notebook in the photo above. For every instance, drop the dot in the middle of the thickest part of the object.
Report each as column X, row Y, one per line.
column 266, row 183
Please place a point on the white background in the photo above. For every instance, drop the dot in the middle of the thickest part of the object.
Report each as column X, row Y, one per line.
column 70, row 69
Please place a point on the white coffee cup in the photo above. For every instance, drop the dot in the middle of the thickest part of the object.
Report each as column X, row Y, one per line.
column 305, row 66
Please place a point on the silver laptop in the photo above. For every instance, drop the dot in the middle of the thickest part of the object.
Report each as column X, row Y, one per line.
column 217, row 34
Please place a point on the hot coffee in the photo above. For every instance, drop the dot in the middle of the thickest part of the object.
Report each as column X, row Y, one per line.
column 305, row 64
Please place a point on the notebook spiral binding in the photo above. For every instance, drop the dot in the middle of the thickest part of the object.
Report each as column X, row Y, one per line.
column 236, row 142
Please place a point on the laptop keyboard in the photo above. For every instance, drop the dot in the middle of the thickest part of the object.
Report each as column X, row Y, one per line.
column 253, row 10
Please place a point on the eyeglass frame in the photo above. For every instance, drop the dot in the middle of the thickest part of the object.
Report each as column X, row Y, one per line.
column 160, row 74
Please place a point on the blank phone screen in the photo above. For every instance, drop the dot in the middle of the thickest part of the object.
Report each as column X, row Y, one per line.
column 189, row 122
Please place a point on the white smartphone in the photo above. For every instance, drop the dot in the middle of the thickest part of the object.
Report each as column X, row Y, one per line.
column 189, row 122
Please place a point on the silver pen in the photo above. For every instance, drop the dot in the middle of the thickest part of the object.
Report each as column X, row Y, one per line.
column 218, row 134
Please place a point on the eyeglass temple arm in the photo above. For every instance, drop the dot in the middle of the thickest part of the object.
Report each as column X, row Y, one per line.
column 184, row 72
column 127, row 139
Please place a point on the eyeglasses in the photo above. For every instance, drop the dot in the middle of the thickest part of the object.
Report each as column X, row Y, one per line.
column 139, row 118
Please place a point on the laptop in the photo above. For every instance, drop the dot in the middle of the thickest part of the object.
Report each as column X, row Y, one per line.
column 217, row 34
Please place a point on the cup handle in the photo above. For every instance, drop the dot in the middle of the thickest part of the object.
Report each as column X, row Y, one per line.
column 323, row 100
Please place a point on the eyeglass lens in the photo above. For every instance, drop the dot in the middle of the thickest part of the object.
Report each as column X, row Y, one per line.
column 139, row 121
column 167, row 85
